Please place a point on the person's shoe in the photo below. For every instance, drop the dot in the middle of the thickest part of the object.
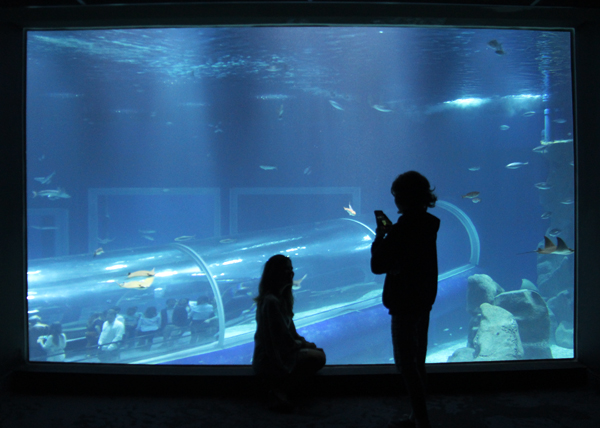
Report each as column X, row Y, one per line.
column 278, row 402
column 403, row 422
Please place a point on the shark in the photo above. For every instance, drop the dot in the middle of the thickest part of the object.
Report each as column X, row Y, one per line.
column 52, row 194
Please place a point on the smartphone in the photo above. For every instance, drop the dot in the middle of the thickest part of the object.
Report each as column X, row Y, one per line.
column 382, row 219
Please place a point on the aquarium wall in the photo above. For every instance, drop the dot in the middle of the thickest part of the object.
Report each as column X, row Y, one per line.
column 166, row 165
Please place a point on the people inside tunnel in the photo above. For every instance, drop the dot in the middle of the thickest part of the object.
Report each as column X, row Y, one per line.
column 55, row 343
column 407, row 253
column 281, row 355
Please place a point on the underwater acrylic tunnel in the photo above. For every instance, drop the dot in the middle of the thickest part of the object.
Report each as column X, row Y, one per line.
column 336, row 295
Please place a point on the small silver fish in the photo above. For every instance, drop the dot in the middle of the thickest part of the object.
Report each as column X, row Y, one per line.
column 554, row 232
column 307, row 170
column 45, row 180
column 268, row 168
column 44, row 227
column 528, row 113
column 541, row 149
column 185, row 238
column 476, row 200
column 560, row 120
column 471, row 195
column 504, row 127
column 106, row 240
column 474, row 168
column 547, row 214
column 382, row 109
column 516, row 165
column 568, row 201
column 335, row 105
column 146, row 232
column 543, row 186
column 148, row 237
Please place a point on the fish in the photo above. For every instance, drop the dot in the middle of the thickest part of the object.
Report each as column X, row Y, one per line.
column 106, row 240
column 560, row 248
column 296, row 283
column 227, row 241
column 146, row 232
column 141, row 273
column 560, row 120
column 144, row 283
column 45, row 180
column 543, row 185
column 307, row 170
column 496, row 46
column 335, row 105
column 98, row 252
column 516, row 165
column 547, row 143
column 44, row 227
column 540, row 149
column 280, row 115
column 349, row 210
column 268, row 97
column 568, row 201
column 504, row 127
column 52, row 194
column 148, row 237
column 471, row 195
column 554, row 232
column 218, row 130
column 268, row 168
column 474, row 168
column 476, row 200
column 548, row 248
column 528, row 113
column 547, row 214
column 185, row 238
column 380, row 108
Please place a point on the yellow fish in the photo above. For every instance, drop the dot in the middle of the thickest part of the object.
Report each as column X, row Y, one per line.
column 141, row 273
column 144, row 283
column 350, row 211
column 98, row 252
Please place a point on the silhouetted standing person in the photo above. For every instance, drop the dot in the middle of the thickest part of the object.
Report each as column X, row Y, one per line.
column 406, row 252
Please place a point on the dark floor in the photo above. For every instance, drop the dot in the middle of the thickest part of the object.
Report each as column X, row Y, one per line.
column 78, row 401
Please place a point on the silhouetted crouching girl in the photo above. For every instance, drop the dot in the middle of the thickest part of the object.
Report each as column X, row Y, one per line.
column 281, row 355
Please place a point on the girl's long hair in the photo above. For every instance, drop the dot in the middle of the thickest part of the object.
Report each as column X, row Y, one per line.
column 55, row 332
column 273, row 279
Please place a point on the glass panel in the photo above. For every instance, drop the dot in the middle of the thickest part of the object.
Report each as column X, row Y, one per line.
column 192, row 155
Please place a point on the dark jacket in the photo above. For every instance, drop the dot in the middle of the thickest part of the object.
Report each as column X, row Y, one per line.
column 408, row 257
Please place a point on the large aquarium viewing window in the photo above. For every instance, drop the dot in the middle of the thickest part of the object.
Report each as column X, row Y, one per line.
column 166, row 165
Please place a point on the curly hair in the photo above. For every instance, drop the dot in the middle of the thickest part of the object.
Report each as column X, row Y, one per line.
column 412, row 190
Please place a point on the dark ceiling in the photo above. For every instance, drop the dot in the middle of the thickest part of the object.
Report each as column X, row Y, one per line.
column 518, row 3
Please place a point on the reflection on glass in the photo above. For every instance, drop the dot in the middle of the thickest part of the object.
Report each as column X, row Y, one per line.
column 165, row 166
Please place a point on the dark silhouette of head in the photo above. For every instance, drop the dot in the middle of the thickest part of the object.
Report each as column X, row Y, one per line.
column 412, row 192
column 277, row 279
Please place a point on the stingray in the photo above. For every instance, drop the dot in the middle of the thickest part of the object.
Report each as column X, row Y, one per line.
column 560, row 248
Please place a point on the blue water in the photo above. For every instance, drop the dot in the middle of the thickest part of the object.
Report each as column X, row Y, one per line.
column 153, row 132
